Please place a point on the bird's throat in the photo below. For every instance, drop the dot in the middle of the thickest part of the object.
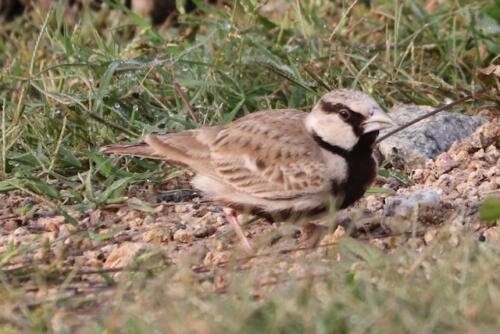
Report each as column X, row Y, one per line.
column 331, row 148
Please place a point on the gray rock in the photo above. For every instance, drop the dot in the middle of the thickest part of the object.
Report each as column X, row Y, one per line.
column 404, row 206
column 426, row 139
column 425, row 207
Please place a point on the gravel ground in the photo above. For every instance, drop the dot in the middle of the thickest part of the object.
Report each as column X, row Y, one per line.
column 174, row 226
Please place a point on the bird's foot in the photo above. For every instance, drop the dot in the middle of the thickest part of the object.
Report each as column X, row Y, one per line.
column 232, row 218
column 311, row 235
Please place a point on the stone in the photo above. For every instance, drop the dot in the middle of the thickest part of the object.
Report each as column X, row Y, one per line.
column 132, row 215
column 445, row 163
column 156, row 236
column 51, row 224
column 199, row 252
column 492, row 234
column 373, row 203
column 66, row 230
column 20, row 231
column 215, row 258
column 333, row 238
column 183, row 236
column 148, row 220
column 428, row 138
column 125, row 255
column 95, row 217
column 404, row 206
column 10, row 225
column 204, row 231
column 430, row 235
column 181, row 208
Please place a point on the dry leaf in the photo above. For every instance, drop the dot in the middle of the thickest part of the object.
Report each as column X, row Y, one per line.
column 492, row 69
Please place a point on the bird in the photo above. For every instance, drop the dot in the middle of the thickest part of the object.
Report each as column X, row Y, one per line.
column 280, row 162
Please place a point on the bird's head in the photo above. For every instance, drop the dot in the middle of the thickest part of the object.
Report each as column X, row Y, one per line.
column 343, row 117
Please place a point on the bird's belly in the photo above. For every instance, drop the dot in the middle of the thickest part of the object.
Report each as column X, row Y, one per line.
column 219, row 191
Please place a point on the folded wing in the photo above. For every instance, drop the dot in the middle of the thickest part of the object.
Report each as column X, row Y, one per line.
column 269, row 155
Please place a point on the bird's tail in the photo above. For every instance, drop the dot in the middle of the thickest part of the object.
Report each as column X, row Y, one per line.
column 140, row 150
column 184, row 148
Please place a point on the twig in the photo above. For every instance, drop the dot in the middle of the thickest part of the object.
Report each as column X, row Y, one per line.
column 105, row 271
column 317, row 78
column 286, row 75
column 8, row 217
column 111, row 124
column 184, row 99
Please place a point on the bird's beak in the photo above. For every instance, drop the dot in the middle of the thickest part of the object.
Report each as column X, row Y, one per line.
column 378, row 121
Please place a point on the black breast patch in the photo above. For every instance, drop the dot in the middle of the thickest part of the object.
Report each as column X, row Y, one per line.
column 361, row 168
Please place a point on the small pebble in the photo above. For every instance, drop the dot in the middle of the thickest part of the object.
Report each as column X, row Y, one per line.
column 124, row 255
column 29, row 202
column 204, row 231
column 183, row 236
column 20, row 231
column 156, row 236
column 180, row 226
column 10, row 225
column 216, row 209
column 149, row 220
column 181, row 208
column 199, row 252
column 481, row 237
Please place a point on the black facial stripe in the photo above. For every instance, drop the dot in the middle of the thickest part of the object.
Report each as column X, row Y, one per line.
column 331, row 148
column 354, row 121
column 331, row 108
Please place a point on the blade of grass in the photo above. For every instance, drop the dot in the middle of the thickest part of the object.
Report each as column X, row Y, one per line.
column 3, row 170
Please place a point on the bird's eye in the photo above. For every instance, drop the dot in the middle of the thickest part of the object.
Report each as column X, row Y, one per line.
column 345, row 114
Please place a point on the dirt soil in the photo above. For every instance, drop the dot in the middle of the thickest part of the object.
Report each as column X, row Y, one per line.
column 177, row 225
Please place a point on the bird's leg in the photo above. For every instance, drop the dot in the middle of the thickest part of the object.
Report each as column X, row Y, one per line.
column 232, row 218
column 312, row 234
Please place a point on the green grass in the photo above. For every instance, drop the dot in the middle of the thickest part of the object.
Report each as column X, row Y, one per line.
column 366, row 291
column 71, row 84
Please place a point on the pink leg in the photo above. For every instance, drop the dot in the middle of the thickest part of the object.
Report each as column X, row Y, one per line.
column 232, row 218
column 312, row 234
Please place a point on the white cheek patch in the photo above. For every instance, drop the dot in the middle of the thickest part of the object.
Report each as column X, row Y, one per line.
column 332, row 130
column 337, row 166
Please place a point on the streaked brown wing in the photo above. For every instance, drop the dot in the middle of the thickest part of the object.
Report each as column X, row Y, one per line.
column 269, row 155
